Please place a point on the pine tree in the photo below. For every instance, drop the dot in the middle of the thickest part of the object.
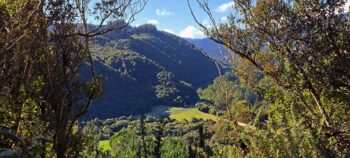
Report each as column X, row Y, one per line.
column 158, row 134
column 143, row 135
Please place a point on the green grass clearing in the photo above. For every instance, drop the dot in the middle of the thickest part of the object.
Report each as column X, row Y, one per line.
column 179, row 113
column 104, row 145
column 190, row 113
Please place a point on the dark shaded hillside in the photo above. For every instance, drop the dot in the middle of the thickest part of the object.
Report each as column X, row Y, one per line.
column 143, row 67
column 173, row 53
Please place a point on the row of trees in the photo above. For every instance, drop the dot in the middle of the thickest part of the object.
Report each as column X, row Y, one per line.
column 153, row 138
column 43, row 44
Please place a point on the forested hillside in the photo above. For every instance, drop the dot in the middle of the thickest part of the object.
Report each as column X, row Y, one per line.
column 143, row 67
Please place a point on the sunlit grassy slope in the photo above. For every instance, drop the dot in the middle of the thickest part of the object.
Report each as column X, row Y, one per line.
column 190, row 113
column 104, row 145
column 179, row 114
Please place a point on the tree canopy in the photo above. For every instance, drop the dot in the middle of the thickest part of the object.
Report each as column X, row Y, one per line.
column 43, row 44
column 302, row 50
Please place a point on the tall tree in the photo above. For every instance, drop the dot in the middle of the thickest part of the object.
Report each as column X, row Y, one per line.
column 143, row 135
column 43, row 45
column 159, row 134
column 302, row 46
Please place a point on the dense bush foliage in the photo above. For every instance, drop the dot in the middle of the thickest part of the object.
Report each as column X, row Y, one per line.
column 42, row 48
column 290, row 56
column 225, row 91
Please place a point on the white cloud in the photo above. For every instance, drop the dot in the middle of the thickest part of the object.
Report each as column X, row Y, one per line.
column 135, row 25
column 153, row 22
column 191, row 32
column 209, row 26
column 347, row 5
column 169, row 31
column 345, row 8
column 163, row 12
column 224, row 18
column 224, row 7
column 205, row 22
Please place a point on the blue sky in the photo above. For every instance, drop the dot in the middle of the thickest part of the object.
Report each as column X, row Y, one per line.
column 175, row 17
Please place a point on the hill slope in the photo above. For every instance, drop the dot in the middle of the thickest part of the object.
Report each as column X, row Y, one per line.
column 214, row 50
column 190, row 113
column 143, row 67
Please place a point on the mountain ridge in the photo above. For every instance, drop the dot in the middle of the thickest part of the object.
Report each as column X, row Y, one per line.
column 214, row 50
column 144, row 67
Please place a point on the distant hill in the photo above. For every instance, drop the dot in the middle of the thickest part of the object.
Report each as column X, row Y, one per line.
column 213, row 49
column 143, row 67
